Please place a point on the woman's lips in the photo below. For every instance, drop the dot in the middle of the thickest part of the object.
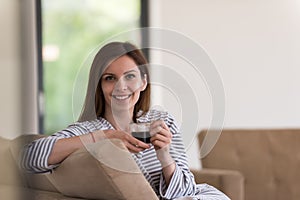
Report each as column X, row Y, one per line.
column 121, row 97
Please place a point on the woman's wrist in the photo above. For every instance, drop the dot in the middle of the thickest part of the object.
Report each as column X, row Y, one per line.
column 168, row 172
column 98, row 136
column 164, row 157
column 92, row 137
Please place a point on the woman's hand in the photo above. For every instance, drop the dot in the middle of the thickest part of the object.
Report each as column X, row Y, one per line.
column 161, row 140
column 133, row 145
column 161, row 137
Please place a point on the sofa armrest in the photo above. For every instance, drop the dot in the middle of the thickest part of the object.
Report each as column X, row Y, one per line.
column 228, row 181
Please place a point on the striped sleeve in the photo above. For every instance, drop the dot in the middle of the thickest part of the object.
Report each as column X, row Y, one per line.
column 182, row 182
column 35, row 155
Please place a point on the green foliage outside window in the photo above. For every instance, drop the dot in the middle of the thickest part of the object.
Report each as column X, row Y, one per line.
column 71, row 30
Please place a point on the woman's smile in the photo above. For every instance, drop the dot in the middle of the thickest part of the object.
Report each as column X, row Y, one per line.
column 122, row 97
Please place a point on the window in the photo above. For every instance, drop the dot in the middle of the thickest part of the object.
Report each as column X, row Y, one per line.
column 69, row 31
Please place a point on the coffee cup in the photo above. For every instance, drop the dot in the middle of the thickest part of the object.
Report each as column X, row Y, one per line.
column 141, row 131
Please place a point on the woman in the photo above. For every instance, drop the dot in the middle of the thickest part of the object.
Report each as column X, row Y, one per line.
column 118, row 94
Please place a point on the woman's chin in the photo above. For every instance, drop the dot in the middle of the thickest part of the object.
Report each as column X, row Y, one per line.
column 120, row 105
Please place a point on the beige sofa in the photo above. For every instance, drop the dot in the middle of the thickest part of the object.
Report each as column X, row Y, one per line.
column 269, row 160
column 82, row 176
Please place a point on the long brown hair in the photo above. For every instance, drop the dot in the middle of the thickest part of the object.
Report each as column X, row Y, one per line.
column 94, row 104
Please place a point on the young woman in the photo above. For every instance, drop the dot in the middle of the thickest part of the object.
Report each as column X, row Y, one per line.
column 119, row 93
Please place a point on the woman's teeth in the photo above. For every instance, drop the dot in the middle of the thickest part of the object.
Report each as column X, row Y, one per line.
column 121, row 97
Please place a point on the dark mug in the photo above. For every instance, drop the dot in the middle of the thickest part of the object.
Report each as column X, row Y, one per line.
column 141, row 131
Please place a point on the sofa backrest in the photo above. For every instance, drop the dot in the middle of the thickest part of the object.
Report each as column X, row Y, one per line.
column 9, row 173
column 268, row 159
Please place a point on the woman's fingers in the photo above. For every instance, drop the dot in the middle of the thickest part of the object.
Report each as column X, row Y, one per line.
column 160, row 141
column 161, row 135
column 134, row 148
column 134, row 145
column 137, row 143
column 158, row 126
column 158, row 144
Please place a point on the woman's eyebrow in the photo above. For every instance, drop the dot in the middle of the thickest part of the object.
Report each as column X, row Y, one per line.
column 133, row 70
column 127, row 72
column 108, row 74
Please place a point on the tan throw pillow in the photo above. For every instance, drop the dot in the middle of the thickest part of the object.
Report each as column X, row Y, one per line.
column 34, row 181
column 9, row 172
column 103, row 170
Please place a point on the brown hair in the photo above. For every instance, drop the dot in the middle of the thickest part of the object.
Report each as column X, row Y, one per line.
column 94, row 104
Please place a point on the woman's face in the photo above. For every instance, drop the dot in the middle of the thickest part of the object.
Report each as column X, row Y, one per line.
column 122, row 84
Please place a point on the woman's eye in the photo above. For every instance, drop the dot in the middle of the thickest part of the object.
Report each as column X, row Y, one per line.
column 109, row 78
column 130, row 76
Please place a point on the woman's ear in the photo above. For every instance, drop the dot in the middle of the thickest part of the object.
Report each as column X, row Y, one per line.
column 145, row 82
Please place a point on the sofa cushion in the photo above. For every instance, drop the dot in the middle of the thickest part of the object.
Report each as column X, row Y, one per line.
column 34, row 181
column 103, row 170
column 9, row 192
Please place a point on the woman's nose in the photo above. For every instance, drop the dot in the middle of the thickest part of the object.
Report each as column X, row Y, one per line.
column 121, row 85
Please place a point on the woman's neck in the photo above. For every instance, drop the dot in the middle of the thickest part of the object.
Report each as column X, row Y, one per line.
column 120, row 120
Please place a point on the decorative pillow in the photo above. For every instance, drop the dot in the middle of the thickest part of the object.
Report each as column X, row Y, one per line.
column 103, row 170
column 8, row 167
column 34, row 181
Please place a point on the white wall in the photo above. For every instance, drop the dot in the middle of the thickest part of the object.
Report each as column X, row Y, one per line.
column 17, row 69
column 10, row 68
column 255, row 46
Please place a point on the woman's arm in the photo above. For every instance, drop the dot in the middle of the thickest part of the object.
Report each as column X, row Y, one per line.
column 161, row 140
column 176, row 179
column 36, row 154
column 46, row 153
column 66, row 146
column 168, row 172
